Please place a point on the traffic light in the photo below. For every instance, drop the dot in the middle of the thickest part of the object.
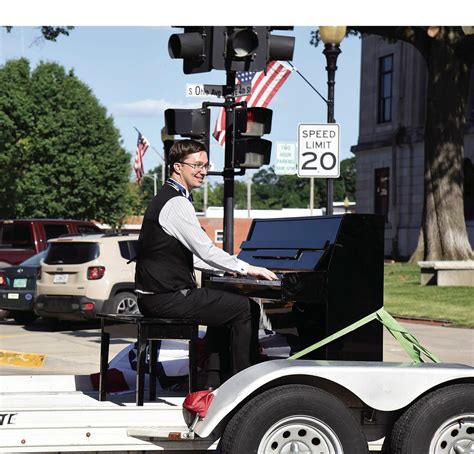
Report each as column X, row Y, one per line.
column 250, row 150
column 194, row 46
column 240, row 48
column 192, row 123
column 230, row 48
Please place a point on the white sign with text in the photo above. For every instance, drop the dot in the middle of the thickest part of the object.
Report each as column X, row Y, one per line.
column 205, row 90
column 318, row 150
column 285, row 163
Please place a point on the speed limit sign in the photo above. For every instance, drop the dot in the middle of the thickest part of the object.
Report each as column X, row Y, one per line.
column 318, row 150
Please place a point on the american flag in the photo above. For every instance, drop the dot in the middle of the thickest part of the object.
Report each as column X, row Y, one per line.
column 142, row 147
column 264, row 88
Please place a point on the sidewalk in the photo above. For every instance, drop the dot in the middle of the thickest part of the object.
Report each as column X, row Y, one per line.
column 77, row 352
column 451, row 345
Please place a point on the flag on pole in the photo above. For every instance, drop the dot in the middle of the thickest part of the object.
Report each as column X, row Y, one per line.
column 265, row 84
column 142, row 147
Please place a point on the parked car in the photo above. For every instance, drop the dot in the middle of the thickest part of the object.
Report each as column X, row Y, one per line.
column 22, row 238
column 18, row 288
column 82, row 276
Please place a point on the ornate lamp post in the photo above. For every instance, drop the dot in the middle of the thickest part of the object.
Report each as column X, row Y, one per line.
column 331, row 36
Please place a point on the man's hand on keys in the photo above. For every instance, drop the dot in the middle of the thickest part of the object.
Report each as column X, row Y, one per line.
column 258, row 271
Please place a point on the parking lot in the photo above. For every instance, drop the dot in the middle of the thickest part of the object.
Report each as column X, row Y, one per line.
column 74, row 347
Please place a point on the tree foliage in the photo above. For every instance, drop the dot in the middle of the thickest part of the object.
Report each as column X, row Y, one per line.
column 449, row 57
column 60, row 154
column 49, row 33
column 274, row 192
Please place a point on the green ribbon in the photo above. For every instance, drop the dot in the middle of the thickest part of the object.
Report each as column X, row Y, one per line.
column 408, row 342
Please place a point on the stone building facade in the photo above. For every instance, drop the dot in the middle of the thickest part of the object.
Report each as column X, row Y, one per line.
column 389, row 170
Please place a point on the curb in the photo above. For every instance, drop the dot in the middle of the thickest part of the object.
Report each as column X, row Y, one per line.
column 21, row 359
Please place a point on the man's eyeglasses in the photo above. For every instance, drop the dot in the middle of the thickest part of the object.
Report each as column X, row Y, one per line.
column 197, row 165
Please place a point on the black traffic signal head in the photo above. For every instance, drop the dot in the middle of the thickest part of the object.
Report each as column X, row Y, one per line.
column 240, row 48
column 230, row 48
column 194, row 46
column 192, row 123
column 250, row 151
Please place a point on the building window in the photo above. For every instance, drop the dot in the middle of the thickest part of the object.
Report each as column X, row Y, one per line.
column 382, row 182
column 385, row 89
column 219, row 236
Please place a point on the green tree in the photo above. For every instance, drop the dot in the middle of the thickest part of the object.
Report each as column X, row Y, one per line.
column 49, row 33
column 345, row 185
column 60, row 154
column 271, row 191
column 449, row 57
column 146, row 187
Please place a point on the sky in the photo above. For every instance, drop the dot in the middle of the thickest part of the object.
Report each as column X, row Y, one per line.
column 130, row 72
column 121, row 53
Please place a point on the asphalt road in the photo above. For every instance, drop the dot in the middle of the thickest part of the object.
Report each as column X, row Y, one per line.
column 75, row 348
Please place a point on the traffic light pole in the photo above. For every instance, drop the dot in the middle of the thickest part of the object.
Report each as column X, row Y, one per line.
column 228, row 163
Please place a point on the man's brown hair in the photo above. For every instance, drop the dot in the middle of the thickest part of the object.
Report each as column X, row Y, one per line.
column 183, row 148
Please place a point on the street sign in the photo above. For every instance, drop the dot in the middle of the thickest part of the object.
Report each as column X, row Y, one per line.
column 205, row 90
column 318, row 150
column 285, row 163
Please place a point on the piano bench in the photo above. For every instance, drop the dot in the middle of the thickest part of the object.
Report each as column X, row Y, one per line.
column 146, row 330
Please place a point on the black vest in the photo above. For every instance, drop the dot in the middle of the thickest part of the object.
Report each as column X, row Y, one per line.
column 164, row 265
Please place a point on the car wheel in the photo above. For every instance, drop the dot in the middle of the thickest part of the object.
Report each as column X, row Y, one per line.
column 441, row 422
column 24, row 318
column 293, row 418
column 124, row 303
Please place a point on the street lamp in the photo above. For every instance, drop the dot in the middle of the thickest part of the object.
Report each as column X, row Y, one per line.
column 331, row 36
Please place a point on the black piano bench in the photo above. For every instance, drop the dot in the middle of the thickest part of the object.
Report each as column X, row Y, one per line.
column 146, row 329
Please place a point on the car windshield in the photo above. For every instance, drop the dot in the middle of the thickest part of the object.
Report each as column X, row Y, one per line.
column 71, row 253
column 34, row 260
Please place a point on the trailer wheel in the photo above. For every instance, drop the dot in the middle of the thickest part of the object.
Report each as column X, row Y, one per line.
column 293, row 418
column 442, row 422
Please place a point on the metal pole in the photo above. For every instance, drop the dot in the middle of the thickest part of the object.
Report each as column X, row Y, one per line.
column 154, row 184
column 311, row 195
column 204, row 203
column 228, row 164
column 163, row 171
column 249, row 197
column 331, row 51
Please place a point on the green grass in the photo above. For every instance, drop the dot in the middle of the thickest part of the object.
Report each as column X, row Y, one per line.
column 405, row 297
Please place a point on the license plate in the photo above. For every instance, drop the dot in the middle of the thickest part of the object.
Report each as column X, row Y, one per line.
column 60, row 278
column 13, row 296
column 19, row 283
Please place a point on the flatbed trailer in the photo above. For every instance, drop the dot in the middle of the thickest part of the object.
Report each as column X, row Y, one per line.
column 279, row 406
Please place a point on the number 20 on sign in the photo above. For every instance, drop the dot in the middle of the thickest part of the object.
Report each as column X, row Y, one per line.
column 318, row 150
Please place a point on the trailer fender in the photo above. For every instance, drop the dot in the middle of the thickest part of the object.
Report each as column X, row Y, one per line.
column 382, row 386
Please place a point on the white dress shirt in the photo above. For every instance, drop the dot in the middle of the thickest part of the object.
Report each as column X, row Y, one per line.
column 178, row 219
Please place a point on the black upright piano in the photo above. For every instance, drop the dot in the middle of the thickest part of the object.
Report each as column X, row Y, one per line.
column 330, row 272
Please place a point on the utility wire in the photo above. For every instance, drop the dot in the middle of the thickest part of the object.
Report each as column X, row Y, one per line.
column 307, row 81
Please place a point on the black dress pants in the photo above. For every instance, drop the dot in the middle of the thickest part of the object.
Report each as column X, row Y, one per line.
column 231, row 320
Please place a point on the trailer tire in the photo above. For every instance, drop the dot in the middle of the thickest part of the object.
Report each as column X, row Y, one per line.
column 293, row 418
column 440, row 422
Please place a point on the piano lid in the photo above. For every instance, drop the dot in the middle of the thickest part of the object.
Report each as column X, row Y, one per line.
column 290, row 243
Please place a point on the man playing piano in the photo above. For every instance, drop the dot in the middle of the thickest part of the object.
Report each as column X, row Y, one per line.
column 171, row 244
